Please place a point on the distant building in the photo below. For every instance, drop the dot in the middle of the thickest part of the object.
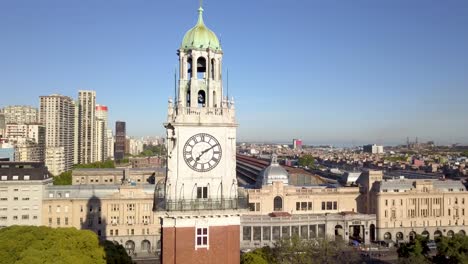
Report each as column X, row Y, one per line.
column 146, row 162
column 120, row 140
column 136, row 146
column 28, row 141
column 7, row 152
column 431, row 208
column 117, row 176
column 57, row 114
column 21, row 190
column 20, row 114
column 297, row 144
column 2, row 125
column 101, row 133
column 374, row 149
column 110, row 144
column 86, row 126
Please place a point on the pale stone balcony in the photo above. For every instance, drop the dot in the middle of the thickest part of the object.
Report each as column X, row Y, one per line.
column 209, row 115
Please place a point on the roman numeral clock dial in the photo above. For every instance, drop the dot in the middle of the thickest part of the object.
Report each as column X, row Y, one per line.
column 202, row 152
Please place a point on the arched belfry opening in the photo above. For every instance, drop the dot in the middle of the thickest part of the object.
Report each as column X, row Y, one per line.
column 188, row 98
column 201, row 68
column 201, row 98
column 189, row 68
column 212, row 69
column 215, row 103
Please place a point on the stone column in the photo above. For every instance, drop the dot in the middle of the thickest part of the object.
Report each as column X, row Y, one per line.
column 194, row 66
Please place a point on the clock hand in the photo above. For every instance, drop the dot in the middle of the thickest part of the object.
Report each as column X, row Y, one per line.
column 203, row 152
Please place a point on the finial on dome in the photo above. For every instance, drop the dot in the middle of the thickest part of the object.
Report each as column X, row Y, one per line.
column 200, row 13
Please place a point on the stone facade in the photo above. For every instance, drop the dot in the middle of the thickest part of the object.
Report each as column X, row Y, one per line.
column 425, row 207
column 121, row 213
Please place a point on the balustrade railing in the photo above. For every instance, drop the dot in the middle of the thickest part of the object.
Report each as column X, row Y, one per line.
column 200, row 204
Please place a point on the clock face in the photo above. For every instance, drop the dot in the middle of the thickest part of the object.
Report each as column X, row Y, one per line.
column 202, row 152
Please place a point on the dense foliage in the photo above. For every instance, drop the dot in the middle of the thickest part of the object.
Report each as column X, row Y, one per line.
column 116, row 253
column 449, row 250
column 31, row 245
column 65, row 178
column 94, row 165
column 414, row 251
column 307, row 160
column 452, row 250
column 299, row 251
column 150, row 150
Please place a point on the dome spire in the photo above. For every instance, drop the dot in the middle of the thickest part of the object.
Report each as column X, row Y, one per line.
column 200, row 14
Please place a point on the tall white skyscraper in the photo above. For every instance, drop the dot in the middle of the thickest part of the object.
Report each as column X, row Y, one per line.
column 57, row 114
column 86, row 126
column 101, row 133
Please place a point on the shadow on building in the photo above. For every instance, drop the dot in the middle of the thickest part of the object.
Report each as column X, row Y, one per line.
column 94, row 220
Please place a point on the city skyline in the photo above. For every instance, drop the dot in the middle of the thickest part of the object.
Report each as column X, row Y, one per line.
column 346, row 73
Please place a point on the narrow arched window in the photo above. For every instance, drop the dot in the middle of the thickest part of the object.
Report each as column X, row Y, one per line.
column 201, row 68
column 201, row 98
column 278, row 204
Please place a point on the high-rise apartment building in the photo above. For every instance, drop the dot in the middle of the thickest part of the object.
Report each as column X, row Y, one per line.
column 57, row 114
column 374, row 149
column 101, row 133
column 28, row 141
column 2, row 124
column 86, row 126
column 297, row 144
column 120, row 140
column 110, row 144
column 20, row 114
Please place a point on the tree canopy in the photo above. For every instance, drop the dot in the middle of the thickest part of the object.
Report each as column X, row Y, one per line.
column 65, row 178
column 307, row 160
column 31, row 245
column 452, row 250
column 94, row 165
column 299, row 251
column 116, row 253
column 449, row 250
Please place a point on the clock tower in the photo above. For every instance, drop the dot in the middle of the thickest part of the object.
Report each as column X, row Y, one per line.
column 198, row 203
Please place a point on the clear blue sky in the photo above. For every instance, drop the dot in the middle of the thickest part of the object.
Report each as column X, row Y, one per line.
column 325, row 71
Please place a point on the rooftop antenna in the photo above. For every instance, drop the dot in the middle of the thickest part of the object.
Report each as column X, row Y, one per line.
column 227, row 83
column 175, row 86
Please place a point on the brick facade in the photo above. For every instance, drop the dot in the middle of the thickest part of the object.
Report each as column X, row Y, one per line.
column 178, row 246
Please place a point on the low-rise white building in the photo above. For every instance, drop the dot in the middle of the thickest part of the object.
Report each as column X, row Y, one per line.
column 21, row 188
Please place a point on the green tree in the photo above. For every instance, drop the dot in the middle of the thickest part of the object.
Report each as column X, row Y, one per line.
column 30, row 245
column 452, row 250
column 116, row 253
column 94, row 165
column 414, row 252
column 307, row 160
column 299, row 251
column 65, row 178
column 255, row 257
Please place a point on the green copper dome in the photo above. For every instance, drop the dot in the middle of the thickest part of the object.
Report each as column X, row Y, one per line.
column 200, row 37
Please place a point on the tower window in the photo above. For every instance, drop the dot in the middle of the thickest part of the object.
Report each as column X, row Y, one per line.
column 212, row 69
column 190, row 68
column 188, row 98
column 201, row 68
column 201, row 237
column 202, row 192
column 201, row 98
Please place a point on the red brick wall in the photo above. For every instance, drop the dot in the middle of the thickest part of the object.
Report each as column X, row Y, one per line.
column 178, row 246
